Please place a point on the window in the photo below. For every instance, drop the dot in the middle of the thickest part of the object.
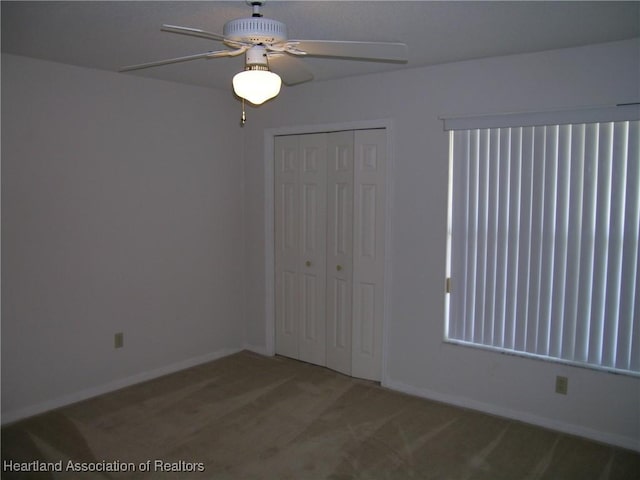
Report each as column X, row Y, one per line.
column 544, row 222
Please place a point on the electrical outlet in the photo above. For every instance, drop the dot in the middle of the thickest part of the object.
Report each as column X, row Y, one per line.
column 118, row 340
column 562, row 385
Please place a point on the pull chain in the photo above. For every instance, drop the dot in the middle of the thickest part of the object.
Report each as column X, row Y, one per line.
column 243, row 117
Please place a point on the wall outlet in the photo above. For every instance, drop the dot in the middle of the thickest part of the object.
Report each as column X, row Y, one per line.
column 118, row 340
column 562, row 385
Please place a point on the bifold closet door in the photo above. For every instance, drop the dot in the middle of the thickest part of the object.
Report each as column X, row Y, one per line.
column 329, row 240
column 300, row 239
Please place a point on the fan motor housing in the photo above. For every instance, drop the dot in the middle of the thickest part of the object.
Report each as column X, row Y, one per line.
column 256, row 30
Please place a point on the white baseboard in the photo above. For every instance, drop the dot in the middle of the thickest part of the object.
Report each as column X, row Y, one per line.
column 571, row 429
column 25, row 412
column 259, row 349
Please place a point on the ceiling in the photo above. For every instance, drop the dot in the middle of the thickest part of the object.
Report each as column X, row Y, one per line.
column 108, row 35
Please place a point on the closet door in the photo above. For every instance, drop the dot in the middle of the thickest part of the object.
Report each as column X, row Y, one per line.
column 329, row 240
column 300, row 239
column 370, row 165
column 339, row 250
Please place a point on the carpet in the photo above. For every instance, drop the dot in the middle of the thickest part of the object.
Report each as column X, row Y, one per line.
column 246, row 416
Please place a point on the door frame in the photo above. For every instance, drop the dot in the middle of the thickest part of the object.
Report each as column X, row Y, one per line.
column 269, row 215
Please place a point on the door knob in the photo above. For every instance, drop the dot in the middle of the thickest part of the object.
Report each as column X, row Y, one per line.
column 338, row 267
column 308, row 263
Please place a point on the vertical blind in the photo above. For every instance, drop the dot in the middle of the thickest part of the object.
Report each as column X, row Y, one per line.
column 544, row 228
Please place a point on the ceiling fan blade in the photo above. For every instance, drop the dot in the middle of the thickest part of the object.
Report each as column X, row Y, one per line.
column 291, row 70
column 194, row 32
column 213, row 54
column 374, row 51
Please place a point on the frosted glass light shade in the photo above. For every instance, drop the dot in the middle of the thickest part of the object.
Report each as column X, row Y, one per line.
column 256, row 86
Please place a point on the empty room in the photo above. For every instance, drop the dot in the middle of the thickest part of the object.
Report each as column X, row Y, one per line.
column 320, row 239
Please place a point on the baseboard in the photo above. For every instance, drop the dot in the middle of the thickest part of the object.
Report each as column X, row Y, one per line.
column 22, row 413
column 571, row 429
column 259, row 349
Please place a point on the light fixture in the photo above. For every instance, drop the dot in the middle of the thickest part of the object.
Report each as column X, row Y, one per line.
column 256, row 84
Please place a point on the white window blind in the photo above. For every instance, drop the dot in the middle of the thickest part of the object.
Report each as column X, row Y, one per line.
column 544, row 229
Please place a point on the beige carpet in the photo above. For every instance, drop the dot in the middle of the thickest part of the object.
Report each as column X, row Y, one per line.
column 251, row 417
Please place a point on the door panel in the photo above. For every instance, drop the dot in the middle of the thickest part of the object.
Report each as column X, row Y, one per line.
column 339, row 249
column 369, row 232
column 366, row 320
column 367, row 221
column 313, row 201
column 289, row 303
column 288, row 197
column 287, row 244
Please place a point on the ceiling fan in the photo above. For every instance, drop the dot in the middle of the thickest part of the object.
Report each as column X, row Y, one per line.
column 270, row 56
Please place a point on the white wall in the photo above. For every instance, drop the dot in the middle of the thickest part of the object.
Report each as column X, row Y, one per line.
column 599, row 405
column 121, row 212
